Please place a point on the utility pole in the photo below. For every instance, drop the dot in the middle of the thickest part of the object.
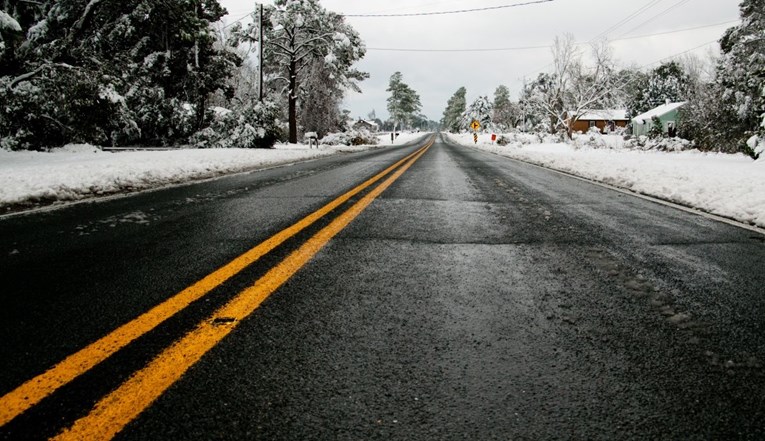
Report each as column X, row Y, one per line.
column 260, row 52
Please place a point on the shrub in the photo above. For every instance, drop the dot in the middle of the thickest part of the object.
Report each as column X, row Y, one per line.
column 251, row 126
column 351, row 137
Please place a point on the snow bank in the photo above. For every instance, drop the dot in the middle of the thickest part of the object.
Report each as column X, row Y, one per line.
column 402, row 138
column 723, row 184
column 81, row 171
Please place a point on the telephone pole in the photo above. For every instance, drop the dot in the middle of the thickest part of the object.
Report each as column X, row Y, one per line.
column 260, row 52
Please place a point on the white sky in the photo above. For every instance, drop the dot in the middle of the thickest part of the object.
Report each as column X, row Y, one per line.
column 437, row 75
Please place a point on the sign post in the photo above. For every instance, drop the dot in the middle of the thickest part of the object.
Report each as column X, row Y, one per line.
column 475, row 125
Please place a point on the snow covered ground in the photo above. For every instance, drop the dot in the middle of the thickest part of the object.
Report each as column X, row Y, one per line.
column 723, row 184
column 81, row 171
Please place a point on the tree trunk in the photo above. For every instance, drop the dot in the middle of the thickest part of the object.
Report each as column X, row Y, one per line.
column 293, row 102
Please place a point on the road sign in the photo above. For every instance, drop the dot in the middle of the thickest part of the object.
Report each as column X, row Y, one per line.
column 475, row 138
column 475, row 125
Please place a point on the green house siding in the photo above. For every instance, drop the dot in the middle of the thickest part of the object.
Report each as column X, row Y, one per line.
column 667, row 114
column 670, row 117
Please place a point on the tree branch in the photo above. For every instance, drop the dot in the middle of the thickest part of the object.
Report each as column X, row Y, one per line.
column 34, row 73
column 80, row 23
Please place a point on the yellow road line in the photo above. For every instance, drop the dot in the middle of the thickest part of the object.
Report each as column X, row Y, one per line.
column 114, row 411
column 35, row 390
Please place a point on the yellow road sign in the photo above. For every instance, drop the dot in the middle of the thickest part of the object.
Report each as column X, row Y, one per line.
column 475, row 125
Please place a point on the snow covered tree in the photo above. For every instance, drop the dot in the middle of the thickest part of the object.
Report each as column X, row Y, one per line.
column 505, row 114
column 303, row 40
column 403, row 102
column 479, row 110
column 726, row 114
column 667, row 82
column 628, row 83
column 321, row 98
column 111, row 72
column 741, row 76
column 10, row 34
column 455, row 107
column 548, row 92
column 562, row 96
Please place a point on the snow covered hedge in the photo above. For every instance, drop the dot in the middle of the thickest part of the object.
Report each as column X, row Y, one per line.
column 251, row 126
column 351, row 137
column 519, row 138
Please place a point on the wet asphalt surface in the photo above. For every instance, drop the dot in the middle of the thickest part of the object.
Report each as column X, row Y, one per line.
column 476, row 298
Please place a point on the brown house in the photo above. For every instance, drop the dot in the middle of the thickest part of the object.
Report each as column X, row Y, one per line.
column 606, row 120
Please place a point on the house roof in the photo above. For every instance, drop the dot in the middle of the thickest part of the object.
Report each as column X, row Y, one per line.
column 604, row 115
column 364, row 121
column 658, row 111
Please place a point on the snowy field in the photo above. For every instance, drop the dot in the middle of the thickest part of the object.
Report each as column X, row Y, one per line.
column 80, row 171
column 722, row 184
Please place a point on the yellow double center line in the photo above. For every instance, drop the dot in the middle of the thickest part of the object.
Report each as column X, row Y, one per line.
column 121, row 406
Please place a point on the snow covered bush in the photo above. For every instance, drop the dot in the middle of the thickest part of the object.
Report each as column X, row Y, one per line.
column 65, row 104
column 757, row 145
column 251, row 126
column 591, row 139
column 109, row 73
column 661, row 144
column 519, row 138
column 351, row 137
column 479, row 110
column 657, row 128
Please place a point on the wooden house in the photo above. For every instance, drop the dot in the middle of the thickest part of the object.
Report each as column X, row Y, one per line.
column 606, row 120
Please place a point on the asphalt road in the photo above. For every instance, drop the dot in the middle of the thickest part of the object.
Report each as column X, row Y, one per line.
column 475, row 298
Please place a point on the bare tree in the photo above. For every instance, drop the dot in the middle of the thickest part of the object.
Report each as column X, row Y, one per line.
column 574, row 86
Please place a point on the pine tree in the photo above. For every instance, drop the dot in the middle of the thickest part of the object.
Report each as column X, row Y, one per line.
column 505, row 112
column 403, row 102
column 741, row 76
column 302, row 40
column 479, row 110
column 455, row 107
column 666, row 82
column 111, row 72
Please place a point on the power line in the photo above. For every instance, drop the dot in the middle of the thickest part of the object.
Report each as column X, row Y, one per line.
column 679, row 30
column 680, row 53
column 411, row 7
column 626, row 19
column 605, row 33
column 662, row 13
column 520, row 48
column 418, row 14
column 460, row 11
column 249, row 14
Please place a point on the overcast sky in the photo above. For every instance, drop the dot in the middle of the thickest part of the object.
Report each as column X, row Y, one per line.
column 437, row 75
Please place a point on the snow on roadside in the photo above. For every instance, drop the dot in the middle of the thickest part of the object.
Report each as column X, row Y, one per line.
column 383, row 139
column 82, row 171
column 723, row 184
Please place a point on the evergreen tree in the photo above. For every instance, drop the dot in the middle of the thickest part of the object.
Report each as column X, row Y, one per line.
column 666, row 82
column 505, row 113
column 727, row 113
column 631, row 82
column 455, row 107
column 403, row 102
column 479, row 110
column 112, row 72
column 302, row 41
column 741, row 76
